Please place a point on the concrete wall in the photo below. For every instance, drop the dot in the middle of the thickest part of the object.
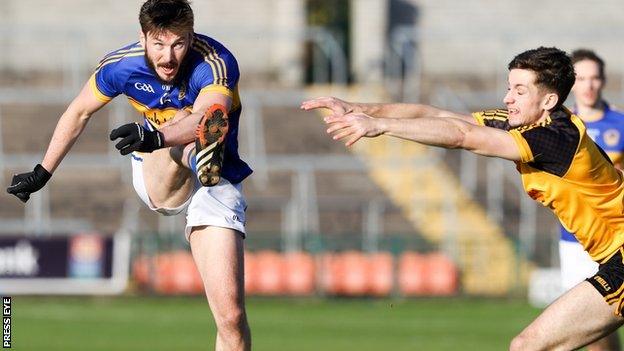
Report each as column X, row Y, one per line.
column 48, row 35
column 457, row 37
column 479, row 36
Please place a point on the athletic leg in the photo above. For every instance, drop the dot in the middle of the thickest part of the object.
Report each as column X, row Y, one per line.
column 168, row 180
column 576, row 319
column 218, row 254
column 168, row 183
column 576, row 266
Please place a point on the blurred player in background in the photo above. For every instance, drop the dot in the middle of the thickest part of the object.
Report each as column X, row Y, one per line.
column 606, row 127
column 560, row 166
column 185, row 86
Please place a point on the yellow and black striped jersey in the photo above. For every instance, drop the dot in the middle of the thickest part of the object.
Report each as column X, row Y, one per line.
column 563, row 169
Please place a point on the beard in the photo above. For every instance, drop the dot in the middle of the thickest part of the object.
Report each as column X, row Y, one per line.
column 182, row 68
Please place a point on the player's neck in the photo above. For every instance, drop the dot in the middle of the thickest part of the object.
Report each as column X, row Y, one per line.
column 591, row 113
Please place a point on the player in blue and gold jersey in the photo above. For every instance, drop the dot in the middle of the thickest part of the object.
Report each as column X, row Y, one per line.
column 560, row 166
column 185, row 87
column 606, row 127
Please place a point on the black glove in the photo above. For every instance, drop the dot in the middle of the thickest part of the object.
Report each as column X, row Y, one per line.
column 24, row 184
column 137, row 138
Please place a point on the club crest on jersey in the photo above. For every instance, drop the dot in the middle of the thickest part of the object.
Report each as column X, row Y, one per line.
column 182, row 92
column 611, row 137
column 144, row 87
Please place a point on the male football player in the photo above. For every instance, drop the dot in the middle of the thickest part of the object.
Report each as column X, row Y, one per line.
column 185, row 86
column 560, row 166
column 606, row 127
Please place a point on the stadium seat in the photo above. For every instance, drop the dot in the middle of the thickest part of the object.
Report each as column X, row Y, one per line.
column 300, row 273
column 442, row 275
column 141, row 270
column 354, row 273
column 162, row 282
column 271, row 273
column 412, row 270
column 330, row 271
column 381, row 276
column 185, row 277
column 175, row 273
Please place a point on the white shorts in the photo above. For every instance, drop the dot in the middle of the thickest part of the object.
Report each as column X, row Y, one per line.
column 222, row 205
column 138, row 181
column 576, row 264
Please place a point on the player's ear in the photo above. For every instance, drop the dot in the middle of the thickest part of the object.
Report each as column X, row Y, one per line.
column 142, row 38
column 549, row 101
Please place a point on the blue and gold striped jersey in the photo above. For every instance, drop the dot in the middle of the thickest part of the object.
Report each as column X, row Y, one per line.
column 608, row 133
column 207, row 67
column 564, row 170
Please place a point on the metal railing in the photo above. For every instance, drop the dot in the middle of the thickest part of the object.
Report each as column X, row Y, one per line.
column 300, row 212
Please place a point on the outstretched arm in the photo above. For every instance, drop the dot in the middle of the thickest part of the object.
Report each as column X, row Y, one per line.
column 69, row 127
column 382, row 110
column 449, row 133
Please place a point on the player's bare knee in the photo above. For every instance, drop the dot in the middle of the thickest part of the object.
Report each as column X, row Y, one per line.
column 227, row 306
column 234, row 320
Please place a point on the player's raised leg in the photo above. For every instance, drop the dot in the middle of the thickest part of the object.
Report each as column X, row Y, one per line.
column 168, row 183
column 218, row 254
column 168, row 180
column 169, row 173
column 577, row 318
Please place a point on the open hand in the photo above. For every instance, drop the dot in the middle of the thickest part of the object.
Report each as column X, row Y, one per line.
column 353, row 126
column 337, row 106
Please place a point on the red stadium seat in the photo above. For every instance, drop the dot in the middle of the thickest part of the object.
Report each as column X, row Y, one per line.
column 271, row 273
column 185, row 278
column 354, row 273
column 162, row 281
column 300, row 273
column 381, row 277
column 330, row 272
column 442, row 279
column 141, row 270
column 412, row 270
column 175, row 273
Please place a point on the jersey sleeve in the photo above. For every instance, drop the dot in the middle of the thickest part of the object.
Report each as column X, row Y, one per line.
column 106, row 82
column 546, row 148
column 217, row 74
column 492, row 118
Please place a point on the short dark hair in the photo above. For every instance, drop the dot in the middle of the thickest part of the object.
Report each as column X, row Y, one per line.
column 166, row 15
column 586, row 54
column 553, row 68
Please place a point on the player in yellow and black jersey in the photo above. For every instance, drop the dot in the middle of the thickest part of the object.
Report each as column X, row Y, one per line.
column 605, row 125
column 560, row 166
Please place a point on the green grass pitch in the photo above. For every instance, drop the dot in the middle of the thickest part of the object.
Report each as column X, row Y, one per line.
column 184, row 323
